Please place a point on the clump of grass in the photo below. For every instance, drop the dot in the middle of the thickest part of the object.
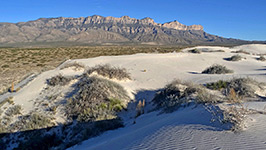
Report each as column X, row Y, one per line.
column 196, row 51
column 96, row 99
column 15, row 110
column 110, row 72
column 217, row 69
column 73, row 64
column 235, row 58
column 261, row 58
column 59, row 80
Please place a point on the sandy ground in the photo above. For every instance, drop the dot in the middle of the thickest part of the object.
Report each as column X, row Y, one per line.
column 183, row 129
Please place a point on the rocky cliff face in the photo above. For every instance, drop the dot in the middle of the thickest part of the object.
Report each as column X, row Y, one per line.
column 98, row 29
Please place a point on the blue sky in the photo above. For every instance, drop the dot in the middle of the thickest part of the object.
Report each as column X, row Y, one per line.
column 243, row 19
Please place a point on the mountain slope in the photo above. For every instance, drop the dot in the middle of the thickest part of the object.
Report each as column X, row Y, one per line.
column 98, row 29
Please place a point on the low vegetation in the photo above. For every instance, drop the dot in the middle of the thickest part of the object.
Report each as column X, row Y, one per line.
column 196, row 51
column 110, row 72
column 181, row 94
column 59, row 80
column 235, row 58
column 217, row 85
column 243, row 87
column 32, row 121
column 14, row 110
column 217, row 69
column 235, row 115
column 178, row 93
column 96, row 99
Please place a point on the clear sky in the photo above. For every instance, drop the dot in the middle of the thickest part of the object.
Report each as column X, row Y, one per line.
column 243, row 19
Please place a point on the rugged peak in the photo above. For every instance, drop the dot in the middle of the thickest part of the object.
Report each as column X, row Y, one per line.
column 125, row 17
column 179, row 26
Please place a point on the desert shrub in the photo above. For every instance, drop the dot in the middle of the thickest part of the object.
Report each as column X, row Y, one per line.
column 217, row 85
column 235, row 58
column 33, row 121
column 236, row 88
column 236, row 116
column 178, row 93
column 72, row 64
column 110, row 72
column 197, row 51
column 96, row 98
column 262, row 58
column 59, row 80
column 244, row 87
column 217, row 69
column 15, row 110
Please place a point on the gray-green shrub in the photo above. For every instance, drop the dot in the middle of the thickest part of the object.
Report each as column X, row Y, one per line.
column 110, row 72
column 96, row 98
column 217, row 69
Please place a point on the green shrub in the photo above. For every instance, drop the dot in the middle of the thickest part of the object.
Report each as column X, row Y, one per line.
column 217, row 69
column 217, row 85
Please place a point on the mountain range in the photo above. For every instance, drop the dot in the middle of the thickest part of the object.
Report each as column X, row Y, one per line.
column 103, row 30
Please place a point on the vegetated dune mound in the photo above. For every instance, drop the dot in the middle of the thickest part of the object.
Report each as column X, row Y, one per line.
column 83, row 98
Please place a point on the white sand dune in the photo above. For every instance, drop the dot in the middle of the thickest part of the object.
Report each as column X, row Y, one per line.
column 189, row 128
column 253, row 48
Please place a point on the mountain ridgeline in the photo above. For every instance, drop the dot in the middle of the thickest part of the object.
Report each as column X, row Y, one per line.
column 103, row 30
